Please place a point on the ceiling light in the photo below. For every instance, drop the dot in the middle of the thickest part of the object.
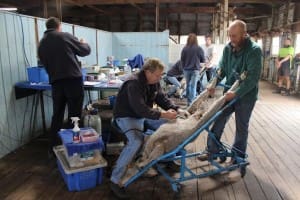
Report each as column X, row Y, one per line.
column 9, row 9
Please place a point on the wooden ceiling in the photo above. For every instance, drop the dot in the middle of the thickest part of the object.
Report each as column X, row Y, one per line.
column 179, row 16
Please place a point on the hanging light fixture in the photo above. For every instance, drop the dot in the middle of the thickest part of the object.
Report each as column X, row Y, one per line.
column 9, row 9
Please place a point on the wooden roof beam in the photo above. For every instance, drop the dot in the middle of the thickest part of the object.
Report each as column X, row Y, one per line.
column 116, row 2
column 137, row 7
column 188, row 9
column 80, row 4
column 250, row 11
column 73, row 2
column 97, row 9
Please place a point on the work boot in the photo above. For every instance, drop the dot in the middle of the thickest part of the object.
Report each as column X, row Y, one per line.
column 51, row 154
column 277, row 91
column 243, row 169
column 173, row 166
column 119, row 191
column 287, row 92
column 207, row 156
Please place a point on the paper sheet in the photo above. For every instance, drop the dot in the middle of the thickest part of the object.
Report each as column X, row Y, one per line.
column 91, row 82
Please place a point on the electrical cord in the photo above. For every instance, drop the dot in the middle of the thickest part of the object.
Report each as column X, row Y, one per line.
column 23, row 121
column 23, row 42
column 133, row 129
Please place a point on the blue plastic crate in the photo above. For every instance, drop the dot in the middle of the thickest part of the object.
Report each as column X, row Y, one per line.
column 112, row 100
column 37, row 75
column 116, row 63
column 67, row 138
column 81, row 180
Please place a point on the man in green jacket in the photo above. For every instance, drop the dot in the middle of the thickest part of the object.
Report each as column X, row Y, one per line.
column 240, row 55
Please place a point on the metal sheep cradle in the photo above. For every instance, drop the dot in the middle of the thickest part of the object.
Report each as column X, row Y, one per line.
column 156, row 152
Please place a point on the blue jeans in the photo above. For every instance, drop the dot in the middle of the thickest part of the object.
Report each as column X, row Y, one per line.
column 134, row 131
column 243, row 111
column 175, row 86
column 191, row 77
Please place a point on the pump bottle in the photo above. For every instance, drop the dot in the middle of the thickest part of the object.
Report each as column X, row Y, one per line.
column 76, row 129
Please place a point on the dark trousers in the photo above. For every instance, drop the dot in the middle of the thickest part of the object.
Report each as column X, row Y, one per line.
column 243, row 111
column 67, row 92
column 210, row 72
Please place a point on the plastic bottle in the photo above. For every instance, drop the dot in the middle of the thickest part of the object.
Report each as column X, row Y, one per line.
column 76, row 129
column 93, row 120
column 127, row 69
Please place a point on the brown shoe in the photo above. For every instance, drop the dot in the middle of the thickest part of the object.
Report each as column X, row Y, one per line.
column 208, row 156
column 203, row 157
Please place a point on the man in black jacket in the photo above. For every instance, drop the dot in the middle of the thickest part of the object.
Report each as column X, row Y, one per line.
column 175, row 76
column 57, row 52
column 134, row 109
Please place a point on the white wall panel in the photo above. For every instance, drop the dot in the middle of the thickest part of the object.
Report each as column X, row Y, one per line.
column 89, row 35
column 148, row 44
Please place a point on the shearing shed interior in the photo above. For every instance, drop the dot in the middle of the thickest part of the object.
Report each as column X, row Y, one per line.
column 89, row 109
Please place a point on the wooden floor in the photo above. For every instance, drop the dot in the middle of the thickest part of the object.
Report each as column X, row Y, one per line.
column 273, row 173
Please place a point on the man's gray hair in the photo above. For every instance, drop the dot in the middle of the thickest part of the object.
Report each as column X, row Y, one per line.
column 152, row 64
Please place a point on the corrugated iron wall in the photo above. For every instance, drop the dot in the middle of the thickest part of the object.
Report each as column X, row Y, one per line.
column 17, row 50
column 148, row 44
column 19, row 36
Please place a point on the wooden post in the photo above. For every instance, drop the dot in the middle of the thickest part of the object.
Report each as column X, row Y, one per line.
column 224, row 21
column 140, row 22
column 178, row 30
column 196, row 25
column 157, row 16
column 45, row 8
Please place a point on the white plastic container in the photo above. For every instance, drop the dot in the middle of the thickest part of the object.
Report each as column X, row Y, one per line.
column 127, row 69
column 93, row 120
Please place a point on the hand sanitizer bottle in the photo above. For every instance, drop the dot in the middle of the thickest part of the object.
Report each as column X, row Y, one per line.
column 76, row 129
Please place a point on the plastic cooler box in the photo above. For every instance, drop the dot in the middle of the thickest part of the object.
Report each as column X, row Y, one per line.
column 37, row 75
column 78, row 179
column 67, row 138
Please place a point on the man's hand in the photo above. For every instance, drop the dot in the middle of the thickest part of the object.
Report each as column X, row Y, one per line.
column 169, row 114
column 183, row 113
column 229, row 95
column 208, row 65
column 278, row 64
